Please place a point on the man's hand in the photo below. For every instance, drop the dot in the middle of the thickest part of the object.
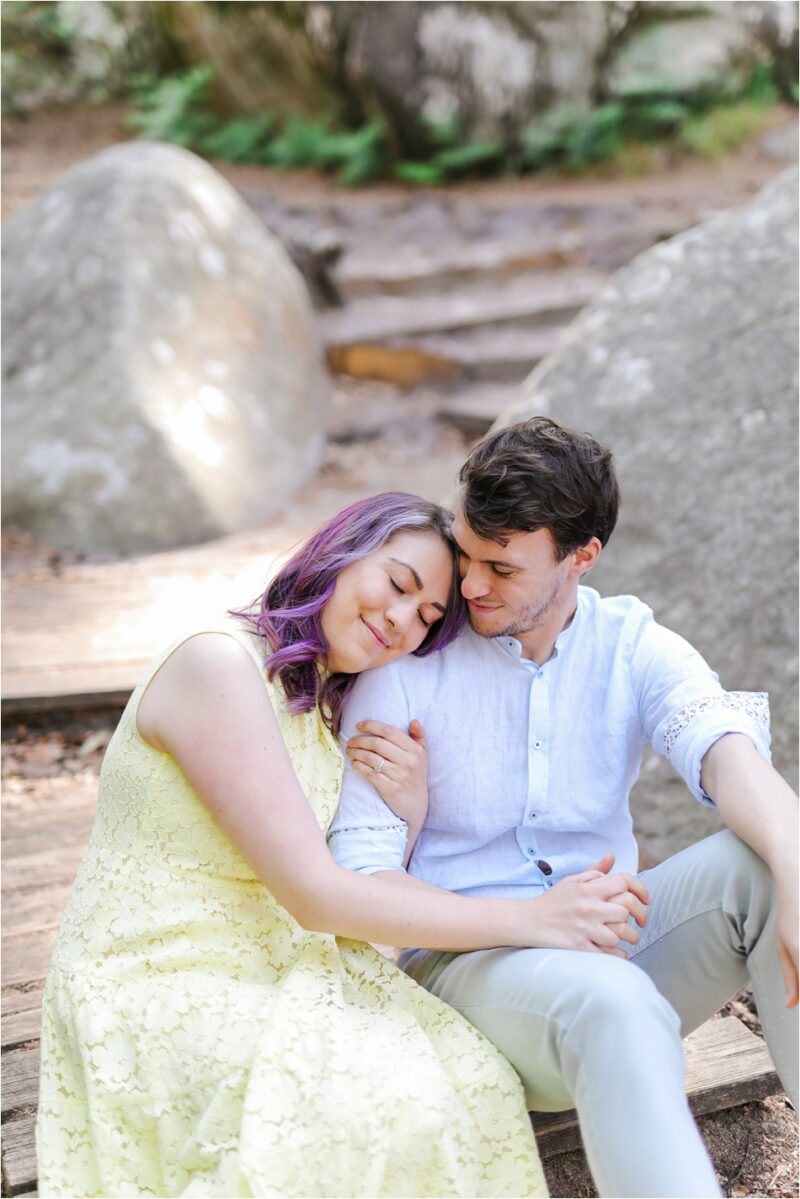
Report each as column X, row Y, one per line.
column 590, row 910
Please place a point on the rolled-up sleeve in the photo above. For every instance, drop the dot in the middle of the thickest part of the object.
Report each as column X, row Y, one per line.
column 366, row 836
column 684, row 709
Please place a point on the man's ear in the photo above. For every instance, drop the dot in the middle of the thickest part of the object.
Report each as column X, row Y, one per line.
column 585, row 557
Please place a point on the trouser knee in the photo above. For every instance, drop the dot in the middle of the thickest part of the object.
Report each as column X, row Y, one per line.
column 622, row 1017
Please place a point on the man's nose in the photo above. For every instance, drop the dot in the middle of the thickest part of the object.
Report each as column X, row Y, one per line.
column 474, row 584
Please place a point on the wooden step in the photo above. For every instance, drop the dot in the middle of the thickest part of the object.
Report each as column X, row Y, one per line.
column 19, row 1156
column 497, row 353
column 475, row 409
column 492, row 352
column 371, row 268
column 726, row 1065
column 91, row 631
column 539, row 297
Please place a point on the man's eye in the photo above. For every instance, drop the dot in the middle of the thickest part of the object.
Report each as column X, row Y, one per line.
column 503, row 574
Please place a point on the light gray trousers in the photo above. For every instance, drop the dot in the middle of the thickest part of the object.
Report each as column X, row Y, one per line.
column 604, row 1035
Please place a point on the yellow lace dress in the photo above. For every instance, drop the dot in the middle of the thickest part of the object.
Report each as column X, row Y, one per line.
column 197, row 1041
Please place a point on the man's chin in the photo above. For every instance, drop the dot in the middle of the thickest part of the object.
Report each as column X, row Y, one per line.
column 485, row 624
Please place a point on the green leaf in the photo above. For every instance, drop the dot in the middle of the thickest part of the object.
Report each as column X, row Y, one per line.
column 443, row 131
column 597, row 136
column 172, row 110
column 419, row 172
column 241, row 140
column 469, row 156
column 300, row 144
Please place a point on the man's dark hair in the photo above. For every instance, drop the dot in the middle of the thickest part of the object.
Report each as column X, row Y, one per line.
column 540, row 475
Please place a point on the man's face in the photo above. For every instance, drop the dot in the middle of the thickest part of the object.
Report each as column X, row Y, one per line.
column 510, row 589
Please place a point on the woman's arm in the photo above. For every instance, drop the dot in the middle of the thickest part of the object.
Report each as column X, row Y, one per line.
column 208, row 708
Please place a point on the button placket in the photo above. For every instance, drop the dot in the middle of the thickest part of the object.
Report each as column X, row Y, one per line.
column 538, row 764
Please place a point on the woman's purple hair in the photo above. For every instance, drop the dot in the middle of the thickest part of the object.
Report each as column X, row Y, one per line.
column 289, row 613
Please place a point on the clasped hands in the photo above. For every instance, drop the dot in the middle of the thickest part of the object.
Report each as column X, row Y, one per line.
column 591, row 910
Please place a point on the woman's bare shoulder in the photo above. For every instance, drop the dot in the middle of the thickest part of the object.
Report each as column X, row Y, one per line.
column 208, row 669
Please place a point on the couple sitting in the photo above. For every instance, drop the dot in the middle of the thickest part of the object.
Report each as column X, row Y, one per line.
column 214, row 1023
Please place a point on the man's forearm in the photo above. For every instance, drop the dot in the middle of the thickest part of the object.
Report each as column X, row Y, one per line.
column 753, row 799
column 762, row 809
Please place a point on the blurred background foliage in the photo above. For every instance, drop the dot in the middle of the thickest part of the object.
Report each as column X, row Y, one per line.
column 303, row 84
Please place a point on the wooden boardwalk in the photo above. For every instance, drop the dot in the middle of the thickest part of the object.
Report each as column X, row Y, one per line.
column 42, row 844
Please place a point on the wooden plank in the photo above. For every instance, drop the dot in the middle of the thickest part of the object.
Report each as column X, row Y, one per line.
column 475, row 409
column 20, row 1079
column 26, row 958
column 93, row 630
column 498, row 353
column 404, row 365
column 19, row 997
column 726, row 1065
column 532, row 298
column 30, row 911
column 41, row 869
column 71, row 828
column 368, row 268
column 19, row 1157
column 119, row 614
column 20, row 1027
column 18, row 1139
column 42, row 809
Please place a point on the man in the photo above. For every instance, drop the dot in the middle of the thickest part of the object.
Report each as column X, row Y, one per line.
column 536, row 718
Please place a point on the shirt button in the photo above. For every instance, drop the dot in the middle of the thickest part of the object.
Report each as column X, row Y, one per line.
column 537, row 745
column 545, row 867
column 531, row 815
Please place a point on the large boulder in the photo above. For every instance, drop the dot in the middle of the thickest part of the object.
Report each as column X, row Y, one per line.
column 687, row 367
column 162, row 376
column 493, row 65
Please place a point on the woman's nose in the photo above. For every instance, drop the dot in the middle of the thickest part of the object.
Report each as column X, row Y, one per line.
column 400, row 617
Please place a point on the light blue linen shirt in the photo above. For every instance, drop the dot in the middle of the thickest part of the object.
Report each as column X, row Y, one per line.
column 531, row 766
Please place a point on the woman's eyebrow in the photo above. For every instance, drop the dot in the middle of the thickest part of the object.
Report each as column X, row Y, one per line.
column 417, row 580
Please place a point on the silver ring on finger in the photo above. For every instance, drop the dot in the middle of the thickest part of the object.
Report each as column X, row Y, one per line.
column 380, row 766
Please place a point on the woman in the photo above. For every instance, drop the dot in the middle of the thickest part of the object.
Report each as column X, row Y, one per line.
column 204, row 1031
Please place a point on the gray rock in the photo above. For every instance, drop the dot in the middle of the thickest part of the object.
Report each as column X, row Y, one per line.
column 687, row 367
column 698, row 53
column 162, row 376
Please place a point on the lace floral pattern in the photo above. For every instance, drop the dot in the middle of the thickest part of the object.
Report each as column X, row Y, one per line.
column 754, row 704
column 196, row 1040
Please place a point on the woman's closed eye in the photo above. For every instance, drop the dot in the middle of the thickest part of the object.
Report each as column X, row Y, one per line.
column 401, row 591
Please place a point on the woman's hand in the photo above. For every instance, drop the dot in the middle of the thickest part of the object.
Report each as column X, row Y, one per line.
column 590, row 910
column 396, row 763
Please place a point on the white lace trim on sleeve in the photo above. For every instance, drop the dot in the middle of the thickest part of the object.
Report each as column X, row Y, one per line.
column 754, row 704
column 395, row 829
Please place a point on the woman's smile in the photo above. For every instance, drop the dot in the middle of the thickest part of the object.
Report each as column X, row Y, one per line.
column 382, row 641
